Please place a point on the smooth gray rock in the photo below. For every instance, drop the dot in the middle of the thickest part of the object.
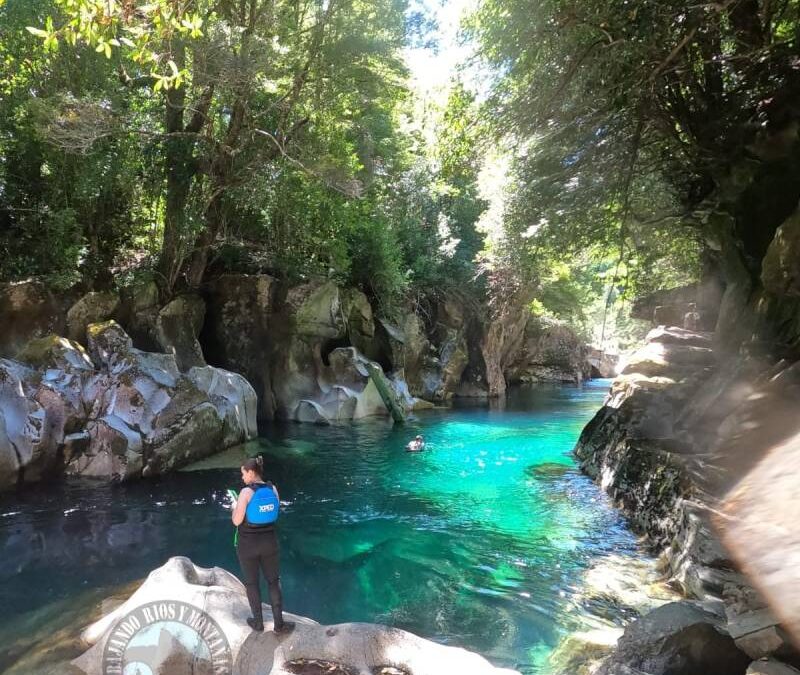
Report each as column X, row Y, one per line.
column 363, row 648
column 234, row 398
column 23, row 431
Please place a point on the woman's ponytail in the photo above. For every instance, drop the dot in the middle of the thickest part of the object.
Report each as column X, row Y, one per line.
column 255, row 464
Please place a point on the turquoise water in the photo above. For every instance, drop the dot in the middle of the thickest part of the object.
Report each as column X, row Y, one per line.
column 479, row 542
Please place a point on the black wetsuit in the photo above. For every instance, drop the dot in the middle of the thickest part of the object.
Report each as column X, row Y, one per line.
column 258, row 549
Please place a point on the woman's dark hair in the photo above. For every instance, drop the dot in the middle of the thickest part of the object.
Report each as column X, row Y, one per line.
column 255, row 464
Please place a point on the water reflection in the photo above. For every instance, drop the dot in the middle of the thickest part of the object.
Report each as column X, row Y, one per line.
column 480, row 541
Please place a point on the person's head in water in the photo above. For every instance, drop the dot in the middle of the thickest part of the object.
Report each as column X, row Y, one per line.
column 253, row 470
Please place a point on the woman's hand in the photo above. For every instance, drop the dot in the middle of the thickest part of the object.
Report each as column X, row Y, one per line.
column 240, row 506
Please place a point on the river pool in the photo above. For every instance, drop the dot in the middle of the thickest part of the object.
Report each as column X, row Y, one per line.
column 481, row 541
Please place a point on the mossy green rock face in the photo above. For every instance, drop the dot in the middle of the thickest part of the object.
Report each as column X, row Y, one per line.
column 53, row 351
column 177, row 327
column 316, row 310
column 780, row 269
column 360, row 321
column 91, row 308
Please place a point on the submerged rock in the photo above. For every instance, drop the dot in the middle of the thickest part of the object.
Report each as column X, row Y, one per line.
column 210, row 604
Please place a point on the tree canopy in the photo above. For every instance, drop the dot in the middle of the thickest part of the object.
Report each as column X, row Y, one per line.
column 178, row 139
column 632, row 121
column 261, row 134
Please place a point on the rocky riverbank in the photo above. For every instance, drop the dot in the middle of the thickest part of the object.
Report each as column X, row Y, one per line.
column 135, row 382
column 209, row 606
column 679, row 432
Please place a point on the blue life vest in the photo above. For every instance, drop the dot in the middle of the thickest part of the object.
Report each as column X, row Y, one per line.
column 263, row 507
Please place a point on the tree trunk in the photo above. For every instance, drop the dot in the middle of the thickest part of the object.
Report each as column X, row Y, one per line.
column 179, row 169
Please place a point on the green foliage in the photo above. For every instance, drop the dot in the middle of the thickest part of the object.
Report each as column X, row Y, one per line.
column 627, row 117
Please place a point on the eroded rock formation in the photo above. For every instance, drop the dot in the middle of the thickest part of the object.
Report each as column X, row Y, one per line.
column 113, row 412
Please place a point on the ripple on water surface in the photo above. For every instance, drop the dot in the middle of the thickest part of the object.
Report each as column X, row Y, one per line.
column 480, row 541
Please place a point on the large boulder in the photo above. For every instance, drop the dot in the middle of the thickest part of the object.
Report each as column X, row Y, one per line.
column 53, row 352
column 668, row 359
column 177, row 327
column 63, row 368
column 147, row 417
column 677, row 639
column 550, row 352
column 208, row 608
column 114, row 412
column 112, row 450
column 315, row 310
column 22, row 425
column 28, row 309
column 93, row 307
column 40, row 407
column 140, row 304
column 780, row 268
column 233, row 397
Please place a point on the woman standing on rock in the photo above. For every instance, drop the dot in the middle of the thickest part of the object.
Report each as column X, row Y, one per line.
column 255, row 512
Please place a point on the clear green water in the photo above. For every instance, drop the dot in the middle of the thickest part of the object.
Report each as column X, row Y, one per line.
column 480, row 541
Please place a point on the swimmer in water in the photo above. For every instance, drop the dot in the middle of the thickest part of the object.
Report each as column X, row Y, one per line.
column 417, row 445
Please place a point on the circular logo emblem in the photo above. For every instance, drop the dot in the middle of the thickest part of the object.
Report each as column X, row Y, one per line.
column 164, row 638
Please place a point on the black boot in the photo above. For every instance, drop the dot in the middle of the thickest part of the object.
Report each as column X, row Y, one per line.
column 283, row 628
column 256, row 625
